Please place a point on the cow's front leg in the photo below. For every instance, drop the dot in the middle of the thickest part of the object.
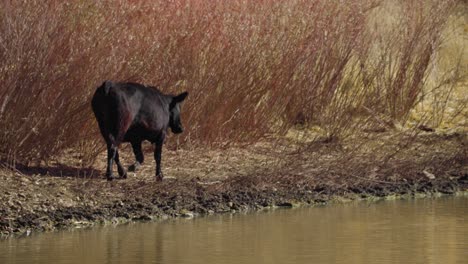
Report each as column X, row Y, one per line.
column 136, row 146
column 157, row 157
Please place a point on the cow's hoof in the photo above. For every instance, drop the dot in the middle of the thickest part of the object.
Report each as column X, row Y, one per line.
column 133, row 167
column 109, row 176
column 123, row 174
column 159, row 177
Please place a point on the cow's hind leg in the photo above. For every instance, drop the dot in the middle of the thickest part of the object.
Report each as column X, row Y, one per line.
column 111, row 153
column 136, row 146
column 120, row 168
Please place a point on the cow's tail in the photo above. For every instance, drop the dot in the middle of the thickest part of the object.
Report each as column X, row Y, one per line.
column 104, row 89
column 106, row 86
column 103, row 104
column 100, row 100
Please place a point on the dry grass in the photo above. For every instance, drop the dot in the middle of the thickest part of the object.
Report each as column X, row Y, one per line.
column 253, row 68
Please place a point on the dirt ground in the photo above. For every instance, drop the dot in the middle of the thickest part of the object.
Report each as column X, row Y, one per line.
column 206, row 181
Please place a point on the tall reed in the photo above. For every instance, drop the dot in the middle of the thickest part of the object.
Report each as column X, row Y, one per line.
column 253, row 68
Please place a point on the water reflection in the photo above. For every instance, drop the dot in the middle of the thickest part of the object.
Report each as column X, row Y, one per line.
column 418, row 231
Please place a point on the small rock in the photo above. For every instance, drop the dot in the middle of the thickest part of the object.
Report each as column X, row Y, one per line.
column 429, row 175
column 289, row 204
column 230, row 204
column 79, row 224
column 143, row 218
column 426, row 128
column 187, row 214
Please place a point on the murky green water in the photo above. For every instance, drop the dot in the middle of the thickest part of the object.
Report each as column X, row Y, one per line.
column 417, row 231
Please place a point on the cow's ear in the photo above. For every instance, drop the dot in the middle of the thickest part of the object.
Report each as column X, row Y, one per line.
column 181, row 97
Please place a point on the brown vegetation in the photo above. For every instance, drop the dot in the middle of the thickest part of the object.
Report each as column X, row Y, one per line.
column 253, row 68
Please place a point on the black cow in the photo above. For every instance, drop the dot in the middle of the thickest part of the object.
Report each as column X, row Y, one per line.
column 131, row 112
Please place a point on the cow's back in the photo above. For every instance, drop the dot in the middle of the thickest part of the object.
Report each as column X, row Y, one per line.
column 129, row 111
column 151, row 113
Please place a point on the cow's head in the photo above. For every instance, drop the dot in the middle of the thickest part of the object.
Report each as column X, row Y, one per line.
column 174, row 108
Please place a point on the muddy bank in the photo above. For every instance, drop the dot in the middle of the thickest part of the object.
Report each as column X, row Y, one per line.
column 249, row 178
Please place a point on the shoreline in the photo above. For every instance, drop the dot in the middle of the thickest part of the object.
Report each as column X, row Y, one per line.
column 205, row 182
column 137, row 210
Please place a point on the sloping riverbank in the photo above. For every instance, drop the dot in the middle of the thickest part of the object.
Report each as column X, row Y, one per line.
column 211, row 181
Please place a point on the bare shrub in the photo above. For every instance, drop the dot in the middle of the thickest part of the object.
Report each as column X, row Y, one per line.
column 253, row 68
column 404, row 47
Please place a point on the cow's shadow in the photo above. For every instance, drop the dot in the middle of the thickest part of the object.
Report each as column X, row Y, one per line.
column 59, row 170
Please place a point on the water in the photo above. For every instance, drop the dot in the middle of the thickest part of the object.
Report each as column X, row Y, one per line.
column 416, row 231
